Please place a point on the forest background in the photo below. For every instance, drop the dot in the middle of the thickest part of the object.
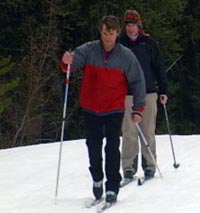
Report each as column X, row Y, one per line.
column 33, row 36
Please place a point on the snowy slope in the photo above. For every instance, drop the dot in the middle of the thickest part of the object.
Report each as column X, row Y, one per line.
column 28, row 180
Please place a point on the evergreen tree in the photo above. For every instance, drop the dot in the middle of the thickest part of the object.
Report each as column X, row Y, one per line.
column 36, row 33
column 186, row 78
column 7, row 83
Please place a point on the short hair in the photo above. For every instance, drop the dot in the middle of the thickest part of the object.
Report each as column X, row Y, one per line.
column 111, row 22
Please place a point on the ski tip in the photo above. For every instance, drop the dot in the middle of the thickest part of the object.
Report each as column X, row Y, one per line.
column 92, row 202
column 124, row 183
column 104, row 206
column 89, row 203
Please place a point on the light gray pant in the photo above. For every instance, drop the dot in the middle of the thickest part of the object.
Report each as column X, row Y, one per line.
column 130, row 144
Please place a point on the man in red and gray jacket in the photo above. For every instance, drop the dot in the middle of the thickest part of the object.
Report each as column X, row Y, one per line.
column 108, row 67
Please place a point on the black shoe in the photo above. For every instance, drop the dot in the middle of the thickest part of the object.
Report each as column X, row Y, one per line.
column 98, row 189
column 111, row 197
column 128, row 175
column 149, row 173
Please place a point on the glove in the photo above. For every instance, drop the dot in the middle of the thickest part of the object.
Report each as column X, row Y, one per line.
column 136, row 116
column 63, row 66
column 67, row 58
column 163, row 99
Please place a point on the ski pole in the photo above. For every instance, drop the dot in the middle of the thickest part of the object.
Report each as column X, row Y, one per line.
column 148, row 148
column 173, row 153
column 63, row 126
column 179, row 57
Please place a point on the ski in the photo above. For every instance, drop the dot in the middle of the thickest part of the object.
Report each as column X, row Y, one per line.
column 142, row 180
column 104, row 206
column 125, row 182
column 89, row 203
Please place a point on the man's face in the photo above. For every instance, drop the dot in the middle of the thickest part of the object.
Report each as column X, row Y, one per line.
column 108, row 37
column 131, row 29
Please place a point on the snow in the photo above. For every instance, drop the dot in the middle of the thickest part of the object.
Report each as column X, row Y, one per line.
column 28, row 180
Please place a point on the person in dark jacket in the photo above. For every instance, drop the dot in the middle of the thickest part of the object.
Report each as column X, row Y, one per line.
column 108, row 66
column 151, row 61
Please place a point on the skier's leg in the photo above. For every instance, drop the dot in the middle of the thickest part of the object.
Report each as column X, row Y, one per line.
column 94, row 140
column 113, row 129
column 130, row 146
column 148, row 126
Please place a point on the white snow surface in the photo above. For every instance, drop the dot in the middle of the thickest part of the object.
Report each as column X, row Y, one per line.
column 28, row 179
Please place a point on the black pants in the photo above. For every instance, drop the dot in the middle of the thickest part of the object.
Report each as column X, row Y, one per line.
column 96, row 128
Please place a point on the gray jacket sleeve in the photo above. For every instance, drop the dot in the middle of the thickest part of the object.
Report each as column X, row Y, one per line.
column 80, row 56
column 136, row 81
